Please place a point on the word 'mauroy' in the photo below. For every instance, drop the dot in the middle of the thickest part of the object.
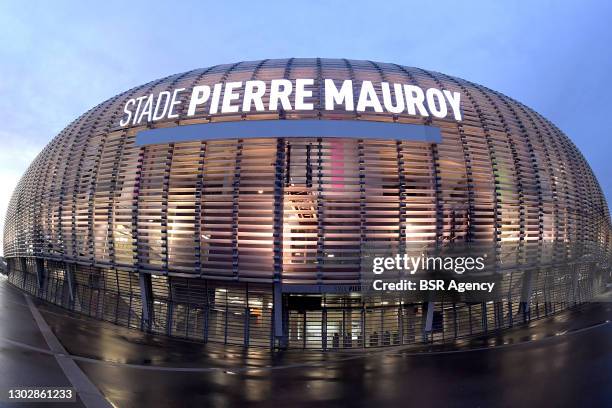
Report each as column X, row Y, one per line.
column 257, row 96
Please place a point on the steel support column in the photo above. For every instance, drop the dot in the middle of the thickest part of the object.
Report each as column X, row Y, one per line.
column 70, row 278
column 280, row 333
column 526, row 289
column 146, row 299
column 428, row 316
column 279, row 327
column 24, row 271
column 41, row 274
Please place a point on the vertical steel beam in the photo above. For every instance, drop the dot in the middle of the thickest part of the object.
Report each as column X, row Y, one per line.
column 484, row 317
column 41, row 274
column 280, row 331
column 455, row 328
column 428, row 317
column 70, row 278
column 24, row 270
column 199, row 230
column 526, row 289
column 164, row 206
column 400, row 323
column 206, row 312
column 320, row 213
column 324, row 328
column 363, row 326
column 170, row 317
column 362, row 206
column 402, row 200
column 146, row 297
column 247, row 321
column 247, row 317
column 236, row 208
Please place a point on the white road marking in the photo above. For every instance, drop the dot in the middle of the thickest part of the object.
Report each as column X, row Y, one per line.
column 88, row 392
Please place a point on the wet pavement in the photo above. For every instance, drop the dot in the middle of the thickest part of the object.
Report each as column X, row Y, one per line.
column 20, row 366
column 558, row 362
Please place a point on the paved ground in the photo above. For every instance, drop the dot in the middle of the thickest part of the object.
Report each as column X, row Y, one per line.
column 565, row 361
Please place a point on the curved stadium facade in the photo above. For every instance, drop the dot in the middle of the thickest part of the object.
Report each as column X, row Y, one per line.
column 234, row 204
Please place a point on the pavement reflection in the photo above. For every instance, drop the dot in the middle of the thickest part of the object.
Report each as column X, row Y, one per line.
column 563, row 361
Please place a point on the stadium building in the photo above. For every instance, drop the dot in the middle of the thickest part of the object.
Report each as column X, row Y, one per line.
column 237, row 204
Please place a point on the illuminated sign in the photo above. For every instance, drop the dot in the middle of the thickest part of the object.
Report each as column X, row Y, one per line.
column 287, row 95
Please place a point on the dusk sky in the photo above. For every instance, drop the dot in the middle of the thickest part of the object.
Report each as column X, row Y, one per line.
column 59, row 59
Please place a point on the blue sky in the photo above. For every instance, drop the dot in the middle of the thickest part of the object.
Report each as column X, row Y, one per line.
column 58, row 59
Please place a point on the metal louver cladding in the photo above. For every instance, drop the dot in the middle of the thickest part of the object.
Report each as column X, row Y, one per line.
column 216, row 239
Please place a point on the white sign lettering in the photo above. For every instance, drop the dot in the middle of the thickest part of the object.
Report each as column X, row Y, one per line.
column 259, row 96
